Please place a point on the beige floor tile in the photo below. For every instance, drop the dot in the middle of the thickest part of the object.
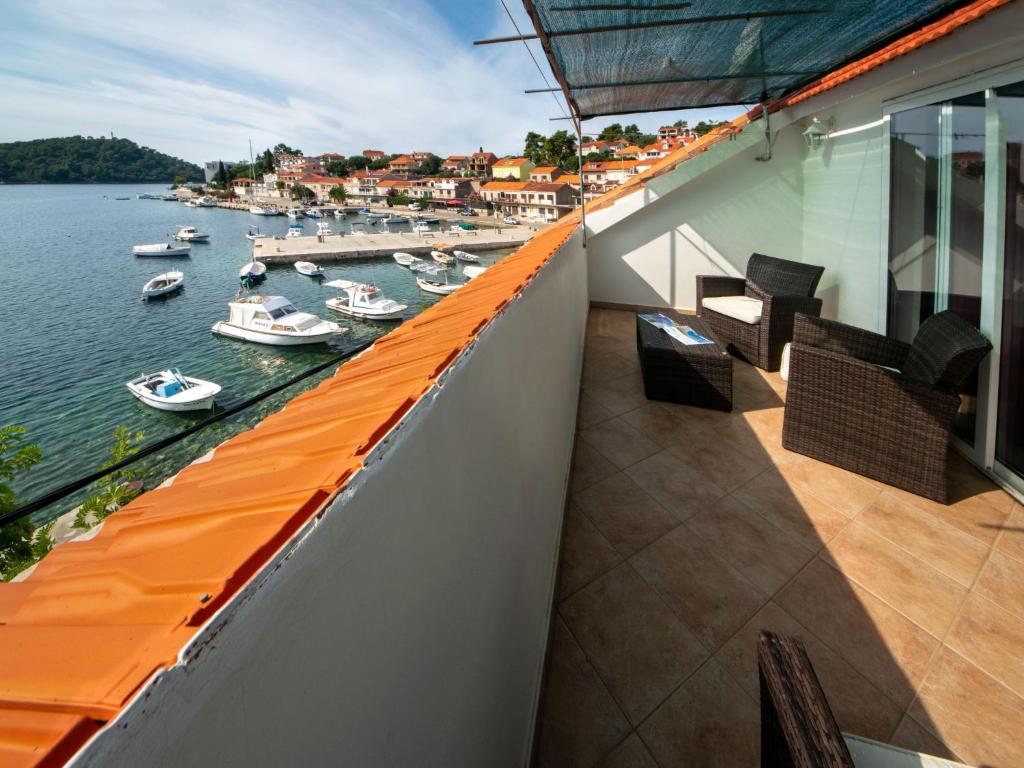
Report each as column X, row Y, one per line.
column 842, row 490
column 766, row 425
column 636, row 644
column 859, row 707
column 629, row 754
column 905, row 583
column 766, row 554
column 971, row 514
column 967, row 481
column 589, row 466
column 620, row 395
column 579, row 721
column 992, row 639
column 626, row 516
column 603, row 365
column 883, row 645
column 911, row 735
column 620, row 344
column 711, row 598
column 725, row 456
column 948, row 549
column 591, row 411
column 709, row 722
column 1011, row 540
column 1002, row 582
column 586, row 554
column 985, row 732
column 678, row 486
column 620, row 443
column 660, row 424
column 792, row 507
column 698, row 421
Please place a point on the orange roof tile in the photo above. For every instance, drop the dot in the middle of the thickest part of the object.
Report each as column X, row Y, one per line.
column 97, row 618
column 511, row 162
column 504, row 186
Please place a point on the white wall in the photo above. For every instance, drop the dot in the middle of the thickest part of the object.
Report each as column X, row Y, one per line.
column 408, row 626
column 826, row 207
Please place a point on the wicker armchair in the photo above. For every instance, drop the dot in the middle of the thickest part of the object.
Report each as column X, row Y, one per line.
column 783, row 288
column 876, row 406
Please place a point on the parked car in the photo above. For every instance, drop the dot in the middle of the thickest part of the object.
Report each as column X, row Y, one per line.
column 468, row 212
column 511, row 221
column 415, row 207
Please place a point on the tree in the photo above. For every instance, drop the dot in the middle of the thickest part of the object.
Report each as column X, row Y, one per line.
column 220, row 178
column 283, row 148
column 631, row 133
column 20, row 542
column 611, row 133
column 533, row 148
column 381, row 164
column 337, row 193
column 681, row 124
column 357, row 163
column 116, row 489
column 180, row 179
column 267, row 159
column 337, row 167
column 429, row 166
column 558, row 148
column 77, row 160
column 299, row 192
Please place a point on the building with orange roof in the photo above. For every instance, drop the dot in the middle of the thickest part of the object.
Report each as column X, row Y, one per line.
column 529, row 200
column 514, row 168
column 629, row 150
column 456, row 164
column 403, row 164
column 478, row 542
column 374, row 154
column 322, row 185
column 546, row 173
column 481, row 163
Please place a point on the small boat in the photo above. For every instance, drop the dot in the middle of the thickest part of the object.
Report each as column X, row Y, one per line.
column 294, row 230
column 253, row 272
column 339, row 213
column 122, row 198
column 170, row 391
column 421, row 226
column 428, row 219
column 296, row 213
column 396, row 218
column 264, row 210
column 365, row 212
column 433, row 282
column 255, row 234
column 463, row 256
column 313, row 213
column 274, row 320
column 207, row 202
column 440, row 257
column 191, row 203
column 309, row 269
column 323, row 229
column 162, row 249
column 405, row 259
column 190, row 234
column 471, row 272
column 169, row 198
column 366, row 301
column 358, row 228
column 467, row 225
column 163, row 284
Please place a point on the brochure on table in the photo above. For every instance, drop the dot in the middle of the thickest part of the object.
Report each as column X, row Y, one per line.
column 684, row 334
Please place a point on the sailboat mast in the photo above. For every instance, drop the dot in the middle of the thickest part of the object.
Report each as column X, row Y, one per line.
column 252, row 172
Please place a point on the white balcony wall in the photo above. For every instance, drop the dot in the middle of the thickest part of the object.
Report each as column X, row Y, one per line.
column 408, row 626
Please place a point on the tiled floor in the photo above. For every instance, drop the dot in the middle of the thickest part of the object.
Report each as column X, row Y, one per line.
column 689, row 530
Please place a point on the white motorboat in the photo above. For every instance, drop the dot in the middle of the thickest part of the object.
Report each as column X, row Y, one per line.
column 162, row 249
column 264, row 210
column 191, row 203
column 252, row 272
column 309, row 269
column 396, row 218
column 463, row 256
column 255, row 234
column 207, row 202
column 294, row 230
column 421, row 226
column 512, row 221
column 366, row 301
column 435, row 280
column 339, row 213
column 428, row 219
column 190, row 234
column 440, row 257
column 323, row 229
column 274, row 320
column 170, row 391
column 471, row 272
column 313, row 213
column 163, row 284
column 295, row 214
column 365, row 212
column 404, row 259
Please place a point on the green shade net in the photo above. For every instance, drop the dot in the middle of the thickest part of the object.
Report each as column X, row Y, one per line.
column 636, row 57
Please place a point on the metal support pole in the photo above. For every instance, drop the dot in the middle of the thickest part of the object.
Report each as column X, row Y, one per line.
column 583, row 195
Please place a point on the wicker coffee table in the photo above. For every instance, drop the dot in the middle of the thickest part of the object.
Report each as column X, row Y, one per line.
column 697, row 374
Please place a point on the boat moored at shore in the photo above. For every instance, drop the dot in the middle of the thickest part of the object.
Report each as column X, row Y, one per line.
column 190, row 234
column 171, row 391
column 162, row 249
column 365, row 301
column 163, row 285
column 275, row 321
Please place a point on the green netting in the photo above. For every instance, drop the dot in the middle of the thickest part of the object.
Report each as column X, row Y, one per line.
column 636, row 57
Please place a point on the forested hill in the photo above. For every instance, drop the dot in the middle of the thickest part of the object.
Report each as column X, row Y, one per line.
column 76, row 159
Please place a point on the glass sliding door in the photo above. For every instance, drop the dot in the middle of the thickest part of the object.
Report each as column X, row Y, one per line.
column 1009, row 445
column 936, row 220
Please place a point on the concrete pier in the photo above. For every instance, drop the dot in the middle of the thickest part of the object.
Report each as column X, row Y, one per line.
column 287, row 250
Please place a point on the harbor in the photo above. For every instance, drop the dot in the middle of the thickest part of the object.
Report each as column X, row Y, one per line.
column 342, row 247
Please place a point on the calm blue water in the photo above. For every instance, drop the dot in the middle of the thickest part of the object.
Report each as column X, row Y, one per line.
column 76, row 331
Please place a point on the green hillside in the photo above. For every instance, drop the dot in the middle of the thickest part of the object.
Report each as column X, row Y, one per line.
column 81, row 160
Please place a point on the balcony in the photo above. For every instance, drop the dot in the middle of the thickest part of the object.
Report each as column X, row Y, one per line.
column 688, row 530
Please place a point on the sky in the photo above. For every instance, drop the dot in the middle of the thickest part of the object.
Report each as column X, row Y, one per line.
column 198, row 80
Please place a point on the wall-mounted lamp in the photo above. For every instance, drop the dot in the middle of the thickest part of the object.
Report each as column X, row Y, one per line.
column 815, row 135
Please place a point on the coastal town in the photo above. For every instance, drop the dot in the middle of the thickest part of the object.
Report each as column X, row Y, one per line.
column 534, row 188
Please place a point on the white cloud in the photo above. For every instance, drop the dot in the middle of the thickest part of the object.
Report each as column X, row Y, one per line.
column 198, row 79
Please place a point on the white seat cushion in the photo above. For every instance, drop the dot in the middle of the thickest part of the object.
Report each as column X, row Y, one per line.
column 742, row 308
